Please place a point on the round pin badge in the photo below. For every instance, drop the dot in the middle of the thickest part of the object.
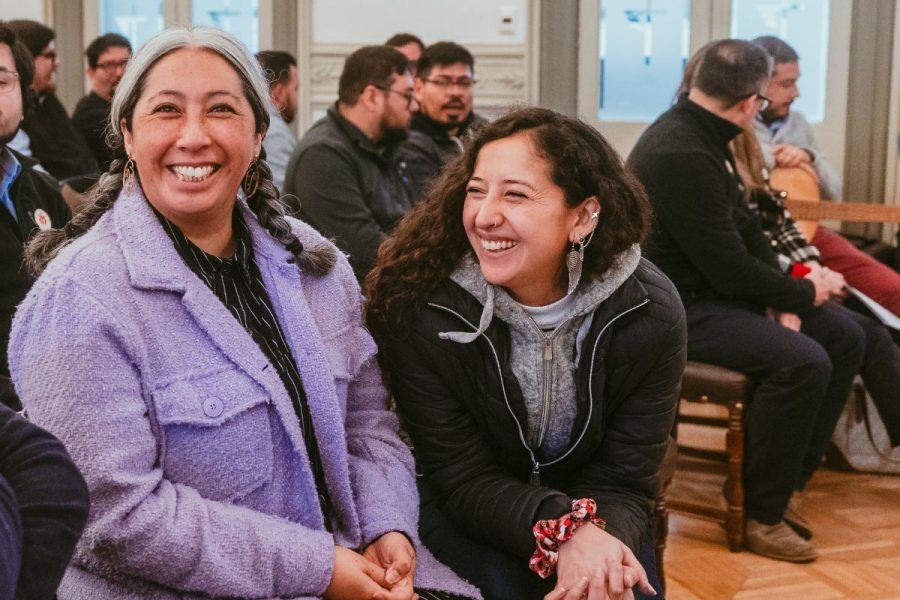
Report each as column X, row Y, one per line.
column 42, row 219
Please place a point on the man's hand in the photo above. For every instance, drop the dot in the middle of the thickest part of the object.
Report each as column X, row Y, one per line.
column 596, row 565
column 393, row 552
column 789, row 320
column 822, row 284
column 786, row 155
column 837, row 285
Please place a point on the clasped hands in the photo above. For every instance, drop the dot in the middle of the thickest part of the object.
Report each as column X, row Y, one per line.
column 384, row 571
column 595, row 565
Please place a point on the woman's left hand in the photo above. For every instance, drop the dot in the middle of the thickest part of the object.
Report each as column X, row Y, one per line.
column 393, row 552
column 610, row 566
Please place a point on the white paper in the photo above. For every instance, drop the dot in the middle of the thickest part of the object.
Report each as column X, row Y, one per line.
column 883, row 314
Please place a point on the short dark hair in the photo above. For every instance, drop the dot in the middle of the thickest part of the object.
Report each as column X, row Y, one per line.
column 36, row 36
column 780, row 51
column 23, row 61
column 276, row 64
column 101, row 44
column 370, row 65
column 732, row 70
column 443, row 54
column 402, row 39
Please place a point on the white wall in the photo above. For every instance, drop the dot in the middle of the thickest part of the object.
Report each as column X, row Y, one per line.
column 22, row 9
column 462, row 21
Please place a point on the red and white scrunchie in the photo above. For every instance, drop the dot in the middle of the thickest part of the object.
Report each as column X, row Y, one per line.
column 550, row 533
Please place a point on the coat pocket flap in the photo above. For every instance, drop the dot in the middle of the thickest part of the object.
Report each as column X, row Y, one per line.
column 208, row 400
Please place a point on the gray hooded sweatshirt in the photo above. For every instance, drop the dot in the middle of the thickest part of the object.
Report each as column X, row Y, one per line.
column 544, row 362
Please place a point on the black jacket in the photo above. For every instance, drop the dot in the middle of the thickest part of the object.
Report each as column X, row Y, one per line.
column 90, row 118
column 55, row 141
column 465, row 419
column 32, row 191
column 429, row 147
column 705, row 237
column 52, row 503
column 351, row 190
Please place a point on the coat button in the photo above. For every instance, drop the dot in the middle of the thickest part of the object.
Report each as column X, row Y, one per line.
column 213, row 407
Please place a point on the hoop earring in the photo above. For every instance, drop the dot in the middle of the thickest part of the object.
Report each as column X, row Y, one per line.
column 129, row 175
column 574, row 263
column 250, row 183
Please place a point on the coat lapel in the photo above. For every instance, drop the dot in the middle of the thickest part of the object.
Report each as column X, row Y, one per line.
column 154, row 264
column 284, row 283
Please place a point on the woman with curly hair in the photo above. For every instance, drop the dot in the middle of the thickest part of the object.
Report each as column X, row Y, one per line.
column 534, row 357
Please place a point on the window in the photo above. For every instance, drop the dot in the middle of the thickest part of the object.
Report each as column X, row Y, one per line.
column 137, row 20
column 238, row 17
column 644, row 45
column 804, row 25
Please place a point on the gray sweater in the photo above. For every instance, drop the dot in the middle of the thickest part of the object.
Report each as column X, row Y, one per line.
column 544, row 362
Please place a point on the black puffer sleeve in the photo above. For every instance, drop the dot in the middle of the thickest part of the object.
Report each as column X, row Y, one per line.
column 52, row 501
column 474, row 491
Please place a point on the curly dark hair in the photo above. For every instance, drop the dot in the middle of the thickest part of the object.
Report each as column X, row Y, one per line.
column 430, row 241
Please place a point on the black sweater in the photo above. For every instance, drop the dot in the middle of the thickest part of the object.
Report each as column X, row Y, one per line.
column 55, row 141
column 51, row 499
column 705, row 238
column 31, row 193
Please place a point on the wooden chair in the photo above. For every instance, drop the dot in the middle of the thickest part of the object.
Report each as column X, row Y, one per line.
column 711, row 412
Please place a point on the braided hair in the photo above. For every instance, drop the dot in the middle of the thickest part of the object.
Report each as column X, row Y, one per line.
column 264, row 202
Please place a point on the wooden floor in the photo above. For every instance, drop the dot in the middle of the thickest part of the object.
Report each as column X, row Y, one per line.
column 856, row 522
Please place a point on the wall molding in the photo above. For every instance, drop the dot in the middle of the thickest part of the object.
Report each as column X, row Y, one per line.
column 501, row 73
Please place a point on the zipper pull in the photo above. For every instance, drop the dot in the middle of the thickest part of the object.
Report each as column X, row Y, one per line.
column 548, row 350
column 535, row 478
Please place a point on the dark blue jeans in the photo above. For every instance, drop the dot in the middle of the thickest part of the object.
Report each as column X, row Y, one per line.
column 801, row 383
column 10, row 541
column 500, row 575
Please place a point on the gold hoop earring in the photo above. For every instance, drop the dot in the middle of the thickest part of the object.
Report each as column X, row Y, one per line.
column 250, row 183
column 129, row 175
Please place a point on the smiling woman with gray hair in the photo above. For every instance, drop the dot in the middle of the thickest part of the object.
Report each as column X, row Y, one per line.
column 205, row 362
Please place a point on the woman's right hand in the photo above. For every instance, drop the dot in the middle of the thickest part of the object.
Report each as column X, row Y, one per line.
column 596, row 565
column 357, row 578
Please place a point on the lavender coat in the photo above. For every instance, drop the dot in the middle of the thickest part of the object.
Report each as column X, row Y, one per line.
column 199, row 478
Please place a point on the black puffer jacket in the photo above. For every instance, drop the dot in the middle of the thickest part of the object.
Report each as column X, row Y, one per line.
column 466, row 421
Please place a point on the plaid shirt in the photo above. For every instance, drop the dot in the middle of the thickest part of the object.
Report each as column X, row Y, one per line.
column 780, row 227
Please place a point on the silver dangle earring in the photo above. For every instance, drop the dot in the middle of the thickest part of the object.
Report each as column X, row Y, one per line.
column 128, row 176
column 574, row 262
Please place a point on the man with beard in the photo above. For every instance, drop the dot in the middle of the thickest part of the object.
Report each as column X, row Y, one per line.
column 107, row 57
column 443, row 87
column 29, row 200
column 54, row 140
column 280, row 140
column 345, row 175
column 787, row 140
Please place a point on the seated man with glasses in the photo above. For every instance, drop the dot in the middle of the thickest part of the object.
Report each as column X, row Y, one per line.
column 445, row 120
column 107, row 57
column 800, row 349
column 54, row 141
column 345, row 175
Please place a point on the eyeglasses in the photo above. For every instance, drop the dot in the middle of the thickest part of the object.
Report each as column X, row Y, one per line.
column 51, row 54
column 763, row 102
column 8, row 81
column 112, row 65
column 408, row 94
column 445, row 82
